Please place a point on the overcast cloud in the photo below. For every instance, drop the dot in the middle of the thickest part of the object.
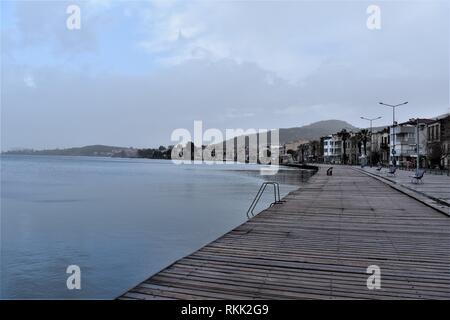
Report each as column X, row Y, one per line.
column 136, row 71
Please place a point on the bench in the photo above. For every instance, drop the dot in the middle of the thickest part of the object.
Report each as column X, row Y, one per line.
column 417, row 177
column 392, row 171
column 330, row 171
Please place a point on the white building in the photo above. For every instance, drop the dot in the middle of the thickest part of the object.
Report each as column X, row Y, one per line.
column 332, row 149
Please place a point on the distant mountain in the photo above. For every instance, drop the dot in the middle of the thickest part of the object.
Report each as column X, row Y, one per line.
column 92, row 151
column 314, row 130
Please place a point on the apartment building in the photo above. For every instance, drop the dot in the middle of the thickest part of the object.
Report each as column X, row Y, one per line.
column 309, row 152
column 332, row 149
column 404, row 138
column 381, row 141
column 438, row 142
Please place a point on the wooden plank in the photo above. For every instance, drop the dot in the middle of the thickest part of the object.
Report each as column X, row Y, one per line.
column 317, row 245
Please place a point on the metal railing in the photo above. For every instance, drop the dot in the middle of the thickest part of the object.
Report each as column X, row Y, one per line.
column 276, row 192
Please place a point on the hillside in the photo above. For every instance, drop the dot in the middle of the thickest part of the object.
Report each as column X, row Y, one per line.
column 314, row 130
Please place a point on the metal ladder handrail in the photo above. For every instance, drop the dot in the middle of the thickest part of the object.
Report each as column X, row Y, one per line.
column 276, row 192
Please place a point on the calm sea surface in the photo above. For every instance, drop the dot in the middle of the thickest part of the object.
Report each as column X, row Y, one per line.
column 119, row 220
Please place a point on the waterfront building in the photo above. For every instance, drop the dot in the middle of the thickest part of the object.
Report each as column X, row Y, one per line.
column 404, row 137
column 309, row 152
column 438, row 142
column 381, row 146
column 332, row 146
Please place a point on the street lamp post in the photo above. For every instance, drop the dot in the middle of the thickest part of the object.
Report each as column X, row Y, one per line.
column 371, row 140
column 393, row 127
column 417, row 148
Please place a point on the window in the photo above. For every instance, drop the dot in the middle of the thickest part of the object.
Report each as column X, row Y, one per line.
column 433, row 132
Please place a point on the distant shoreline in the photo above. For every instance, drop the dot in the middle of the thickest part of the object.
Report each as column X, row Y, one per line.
column 98, row 151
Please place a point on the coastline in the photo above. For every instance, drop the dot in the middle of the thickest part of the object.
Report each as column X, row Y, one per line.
column 156, row 206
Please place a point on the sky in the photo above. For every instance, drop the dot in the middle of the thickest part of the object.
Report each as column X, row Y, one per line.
column 137, row 70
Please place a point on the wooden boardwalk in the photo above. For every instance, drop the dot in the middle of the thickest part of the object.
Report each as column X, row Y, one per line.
column 318, row 245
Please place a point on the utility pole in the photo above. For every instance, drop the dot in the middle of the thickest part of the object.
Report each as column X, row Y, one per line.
column 371, row 140
column 393, row 128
